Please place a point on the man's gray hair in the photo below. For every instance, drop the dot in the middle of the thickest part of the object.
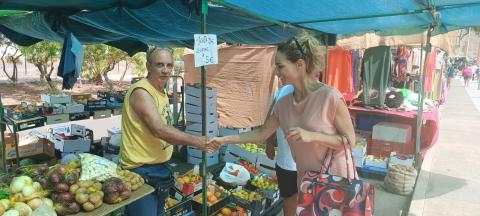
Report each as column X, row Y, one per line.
column 152, row 49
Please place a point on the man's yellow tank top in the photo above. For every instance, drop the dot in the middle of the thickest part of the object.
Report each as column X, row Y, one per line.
column 139, row 146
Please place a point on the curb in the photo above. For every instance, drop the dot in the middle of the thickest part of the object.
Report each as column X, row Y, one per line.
column 417, row 204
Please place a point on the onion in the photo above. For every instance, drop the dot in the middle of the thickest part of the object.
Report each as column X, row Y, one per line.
column 17, row 185
column 12, row 212
column 23, row 209
column 37, row 186
column 28, row 191
column 35, row 203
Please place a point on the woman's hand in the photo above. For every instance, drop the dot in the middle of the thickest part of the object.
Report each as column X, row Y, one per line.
column 298, row 134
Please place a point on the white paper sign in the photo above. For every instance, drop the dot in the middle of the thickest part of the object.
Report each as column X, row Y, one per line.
column 206, row 51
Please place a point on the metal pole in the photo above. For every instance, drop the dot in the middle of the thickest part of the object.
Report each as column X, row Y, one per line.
column 325, row 74
column 421, row 95
column 175, row 101
column 203, row 167
column 2, row 132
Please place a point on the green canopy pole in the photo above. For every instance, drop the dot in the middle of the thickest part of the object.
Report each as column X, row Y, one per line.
column 2, row 131
column 203, row 167
column 421, row 94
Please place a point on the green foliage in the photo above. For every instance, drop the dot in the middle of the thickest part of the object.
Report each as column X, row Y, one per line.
column 138, row 61
column 100, row 59
column 44, row 56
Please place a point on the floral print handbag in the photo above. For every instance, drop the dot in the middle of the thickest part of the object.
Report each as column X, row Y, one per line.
column 322, row 194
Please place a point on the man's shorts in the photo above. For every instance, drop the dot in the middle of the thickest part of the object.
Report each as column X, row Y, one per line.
column 287, row 182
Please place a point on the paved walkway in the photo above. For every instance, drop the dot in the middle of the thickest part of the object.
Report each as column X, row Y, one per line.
column 449, row 182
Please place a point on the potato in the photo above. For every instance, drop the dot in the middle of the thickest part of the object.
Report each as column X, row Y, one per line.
column 97, row 185
column 98, row 204
column 94, row 198
column 82, row 190
column 81, row 198
column 100, row 193
column 88, row 206
column 85, row 184
column 73, row 189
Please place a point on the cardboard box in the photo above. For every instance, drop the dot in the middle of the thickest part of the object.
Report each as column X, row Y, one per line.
column 9, row 139
column 196, row 91
column 199, row 133
column 359, row 161
column 192, row 126
column 65, row 144
column 197, row 109
column 197, row 118
column 197, row 100
column 57, row 119
column 56, row 99
column 115, row 134
column 43, row 148
column 392, row 132
column 70, row 130
column 117, row 111
column 378, row 163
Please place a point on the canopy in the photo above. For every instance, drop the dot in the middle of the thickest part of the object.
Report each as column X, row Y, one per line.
column 391, row 17
column 161, row 23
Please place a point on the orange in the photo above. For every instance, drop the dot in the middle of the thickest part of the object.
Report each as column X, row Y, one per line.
column 213, row 199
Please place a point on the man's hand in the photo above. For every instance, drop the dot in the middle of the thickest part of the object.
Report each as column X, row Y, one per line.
column 202, row 143
column 216, row 143
column 298, row 134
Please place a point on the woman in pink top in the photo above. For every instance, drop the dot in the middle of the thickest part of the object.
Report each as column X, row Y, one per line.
column 314, row 117
column 467, row 74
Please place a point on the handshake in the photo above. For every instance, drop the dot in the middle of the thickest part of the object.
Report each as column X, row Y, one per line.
column 209, row 145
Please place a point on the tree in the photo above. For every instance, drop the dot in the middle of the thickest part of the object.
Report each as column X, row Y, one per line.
column 99, row 60
column 138, row 61
column 10, row 54
column 43, row 55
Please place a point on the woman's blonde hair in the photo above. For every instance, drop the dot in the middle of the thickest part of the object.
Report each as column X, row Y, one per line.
column 303, row 46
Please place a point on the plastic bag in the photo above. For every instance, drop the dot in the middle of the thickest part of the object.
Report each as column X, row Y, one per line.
column 234, row 174
column 95, row 167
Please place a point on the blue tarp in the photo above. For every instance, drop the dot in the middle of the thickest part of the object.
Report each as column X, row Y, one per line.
column 161, row 23
column 353, row 16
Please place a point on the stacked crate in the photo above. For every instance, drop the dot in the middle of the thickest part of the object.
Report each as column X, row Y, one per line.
column 193, row 110
column 60, row 106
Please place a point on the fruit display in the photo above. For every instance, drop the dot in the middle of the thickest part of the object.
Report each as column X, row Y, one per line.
column 265, row 182
column 214, row 194
column 232, row 210
column 247, row 195
column 171, row 202
column 249, row 166
column 132, row 180
column 190, row 177
column 250, row 147
column 88, row 194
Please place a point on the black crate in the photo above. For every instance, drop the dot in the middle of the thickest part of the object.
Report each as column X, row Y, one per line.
column 94, row 105
column 180, row 209
column 26, row 124
column 79, row 116
column 111, row 149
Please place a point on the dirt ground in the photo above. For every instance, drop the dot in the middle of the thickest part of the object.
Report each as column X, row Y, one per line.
column 29, row 91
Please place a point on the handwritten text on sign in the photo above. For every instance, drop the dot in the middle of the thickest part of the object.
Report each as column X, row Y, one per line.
column 205, row 49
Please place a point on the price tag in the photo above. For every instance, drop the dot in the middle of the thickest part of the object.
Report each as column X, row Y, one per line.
column 206, row 51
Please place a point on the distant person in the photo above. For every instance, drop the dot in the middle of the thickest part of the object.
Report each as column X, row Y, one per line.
column 450, row 74
column 467, row 75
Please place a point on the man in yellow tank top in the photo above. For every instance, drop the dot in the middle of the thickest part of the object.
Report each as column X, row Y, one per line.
column 147, row 134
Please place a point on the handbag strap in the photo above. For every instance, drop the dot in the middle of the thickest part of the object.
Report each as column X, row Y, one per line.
column 347, row 146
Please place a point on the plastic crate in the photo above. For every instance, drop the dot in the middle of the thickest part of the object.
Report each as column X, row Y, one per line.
column 366, row 122
column 93, row 105
column 79, row 116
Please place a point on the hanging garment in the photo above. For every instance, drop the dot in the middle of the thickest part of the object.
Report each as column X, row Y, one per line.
column 340, row 70
column 71, row 61
column 356, row 62
column 430, row 69
column 417, row 60
column 437, row 84
column 401, row 59
column 376, row 74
